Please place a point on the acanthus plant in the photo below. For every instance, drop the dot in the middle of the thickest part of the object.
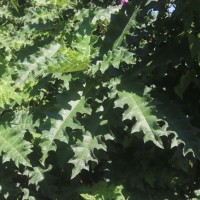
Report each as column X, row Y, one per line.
column 94, row 100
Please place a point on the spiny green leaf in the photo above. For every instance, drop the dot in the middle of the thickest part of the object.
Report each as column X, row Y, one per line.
column 126, row 29
column 115, row 58
column 36, row 174
column 35, row 15
column 69, row 61
column 27, row 195
column 140, row 109
column 95, row 132
column 13, row 146
column 116, row 34
column 179, row 126
column 62, row 116
column 15, row 4
column 84, row 152
column 104, row 14
column 31, row 68
column 8, row 94
column 103, row 190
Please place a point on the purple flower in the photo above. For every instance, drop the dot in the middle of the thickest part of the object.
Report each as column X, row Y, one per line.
column 123, row 2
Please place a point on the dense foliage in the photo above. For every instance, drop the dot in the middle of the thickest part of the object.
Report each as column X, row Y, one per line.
column 99, row 101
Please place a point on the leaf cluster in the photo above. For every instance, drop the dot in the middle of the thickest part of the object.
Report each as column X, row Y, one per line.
column 98, row 101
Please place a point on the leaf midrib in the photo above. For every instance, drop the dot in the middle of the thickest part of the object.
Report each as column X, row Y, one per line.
column 141, row 113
